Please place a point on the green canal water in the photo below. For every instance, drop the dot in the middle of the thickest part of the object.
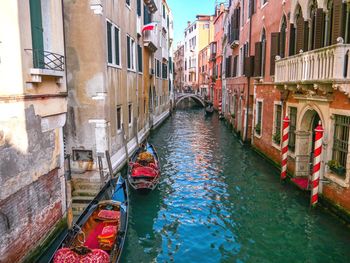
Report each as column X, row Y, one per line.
column 218, row 201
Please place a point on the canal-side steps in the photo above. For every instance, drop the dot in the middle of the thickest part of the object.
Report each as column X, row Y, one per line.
column 84, row 188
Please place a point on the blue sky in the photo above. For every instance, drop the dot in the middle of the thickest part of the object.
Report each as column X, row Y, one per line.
column 186, row 10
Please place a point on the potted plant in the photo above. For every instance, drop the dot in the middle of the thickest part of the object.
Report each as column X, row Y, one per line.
column 258, row 128
column 336, row 167
column 277, row 138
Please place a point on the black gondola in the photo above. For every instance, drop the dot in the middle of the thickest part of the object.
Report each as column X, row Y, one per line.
column 100, row 231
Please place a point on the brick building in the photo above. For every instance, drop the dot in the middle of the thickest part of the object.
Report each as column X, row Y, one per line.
column 33, row 106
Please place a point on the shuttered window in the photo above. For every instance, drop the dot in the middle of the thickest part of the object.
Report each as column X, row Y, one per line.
column 258, row 125
column 228, row 66
column 119, row 118
column 147, row 16
column 235, row 66
column 130, row 48
column 292, row 47
column 341, row 139
column 249, row 66
column 275, row 41
column 109, row 42
column 338, row 18
column 37, row 33
column 139, row 58
column 257, row 59
column 282, row 44
column 138, row 2
column 113, row 44
column 300, row 34
column 251, row 9
column 319, row 28
column 292, row 128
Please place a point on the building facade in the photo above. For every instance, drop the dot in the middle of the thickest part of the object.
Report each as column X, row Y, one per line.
column 33, row 106
column 204, row 71
column 179, row 63
column 198, row 35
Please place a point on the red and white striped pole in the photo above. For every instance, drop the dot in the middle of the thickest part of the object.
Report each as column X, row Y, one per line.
column 285, row 139
column 220, row 106
column 317, row 164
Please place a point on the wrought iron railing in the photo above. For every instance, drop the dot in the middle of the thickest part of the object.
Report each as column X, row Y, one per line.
column 47, row 60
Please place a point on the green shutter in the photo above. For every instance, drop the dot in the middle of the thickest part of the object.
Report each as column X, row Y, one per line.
column 37, row 33
column 116, row 45
column 109, row 42
column 128, row 50
column 139, row 53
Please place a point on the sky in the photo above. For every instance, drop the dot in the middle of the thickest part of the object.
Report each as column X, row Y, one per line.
column 186, row 10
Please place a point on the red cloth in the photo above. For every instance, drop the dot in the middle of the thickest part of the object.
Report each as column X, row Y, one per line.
column 65, row 255
column 144, row 171
column 108, row 215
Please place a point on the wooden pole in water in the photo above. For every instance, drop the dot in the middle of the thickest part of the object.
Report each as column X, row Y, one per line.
column 125, row 144
column 108, row 158
column 285, row 140
column 317, row 164
column 68, row 175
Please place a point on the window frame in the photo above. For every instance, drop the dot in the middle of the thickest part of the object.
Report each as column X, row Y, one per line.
column 113, row 45
column 120, row 121
column 292, row 127
column 132, row 47
column 277, row 104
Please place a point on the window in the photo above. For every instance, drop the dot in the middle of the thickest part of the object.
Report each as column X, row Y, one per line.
column 130, row 113
column 119, row 118
column 37, row 34
column 139, row 58
column 276, row 137
column 130, row 45
column 292, row 128
column 164, row 71
column 283, row 37
column 113, row 44
column 341, row 140
column 258, row 118
column 263, row 52
column 164, row 11
column 127, row 2
column 138, row 7
column 157, row 68
column 147, row 16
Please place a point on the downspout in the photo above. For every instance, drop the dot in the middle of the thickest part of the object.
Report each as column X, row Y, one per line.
column 248, row 86
column 68, row 185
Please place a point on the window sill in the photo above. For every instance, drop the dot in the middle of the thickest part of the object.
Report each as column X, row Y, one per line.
column 258, row 135
column 37, row 73
column 114, row 66
column 119, row 131
column 128, row 6
column 336, row 179
column 131, row 70
column 277, row 146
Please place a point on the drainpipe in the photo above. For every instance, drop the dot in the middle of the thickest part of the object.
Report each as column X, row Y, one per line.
column 248, row 86
column 68, row 184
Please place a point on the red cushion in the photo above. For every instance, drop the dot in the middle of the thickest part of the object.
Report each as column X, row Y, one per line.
column 108, row 232
column 96, row 256
column 109, row 215
column 65, row 255
column 144, row 171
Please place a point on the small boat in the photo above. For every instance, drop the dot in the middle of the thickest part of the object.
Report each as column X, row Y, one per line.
column 209, row 110
column 144, row 169
column 100, row 231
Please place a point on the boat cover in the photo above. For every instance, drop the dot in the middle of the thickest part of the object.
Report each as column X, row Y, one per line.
column 65, row 255
column 144, row 171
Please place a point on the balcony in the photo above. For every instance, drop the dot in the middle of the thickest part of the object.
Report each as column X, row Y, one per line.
column 234, row 38
column 150, row 38
column 45, row 64
column 328, row 65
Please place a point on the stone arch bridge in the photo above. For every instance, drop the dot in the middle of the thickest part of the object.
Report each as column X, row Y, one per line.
column 182, row 96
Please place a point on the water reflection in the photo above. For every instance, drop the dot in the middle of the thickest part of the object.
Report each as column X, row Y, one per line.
column 219, row 202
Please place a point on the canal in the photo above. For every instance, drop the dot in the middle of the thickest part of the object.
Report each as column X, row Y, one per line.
column 218, row 201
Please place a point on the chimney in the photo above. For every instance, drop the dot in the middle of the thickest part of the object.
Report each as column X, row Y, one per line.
column 188, row 23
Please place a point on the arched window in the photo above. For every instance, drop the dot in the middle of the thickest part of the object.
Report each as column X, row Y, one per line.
column 301, row 27
column 312, row 26
column 283, row 33
column 263, row 52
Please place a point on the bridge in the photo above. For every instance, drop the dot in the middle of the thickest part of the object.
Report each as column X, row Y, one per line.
column 182, row 96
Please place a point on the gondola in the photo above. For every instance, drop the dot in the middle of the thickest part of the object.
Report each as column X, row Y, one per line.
column 144, row 169
column 99, row 233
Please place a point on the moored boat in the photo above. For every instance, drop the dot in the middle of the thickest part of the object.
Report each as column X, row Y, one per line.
column 144, row 169
column 99, row 233
column 209, row 110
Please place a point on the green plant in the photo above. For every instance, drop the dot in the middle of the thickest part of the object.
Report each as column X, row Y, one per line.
column 277, row 137
column 336, row 167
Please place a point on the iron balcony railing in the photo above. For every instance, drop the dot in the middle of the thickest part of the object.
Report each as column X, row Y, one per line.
column 47, row 60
